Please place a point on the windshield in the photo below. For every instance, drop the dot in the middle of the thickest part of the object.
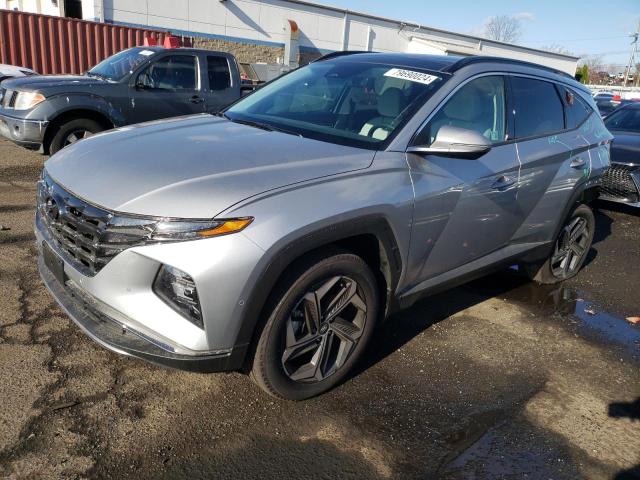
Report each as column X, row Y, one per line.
column 346, row 102
column 117, row 66
column 627, row 119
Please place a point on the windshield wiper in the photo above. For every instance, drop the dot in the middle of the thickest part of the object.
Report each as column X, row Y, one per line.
column 264, row 126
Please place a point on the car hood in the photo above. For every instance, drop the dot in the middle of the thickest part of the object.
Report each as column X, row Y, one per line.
column 14, row 71
column 625, row 147
column 193, row 167
column 41, row 82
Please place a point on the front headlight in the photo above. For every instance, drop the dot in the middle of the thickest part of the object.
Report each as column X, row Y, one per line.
column 27, row 100
column 139, row 231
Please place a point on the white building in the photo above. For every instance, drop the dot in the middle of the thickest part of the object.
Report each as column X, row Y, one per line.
column 264, row 22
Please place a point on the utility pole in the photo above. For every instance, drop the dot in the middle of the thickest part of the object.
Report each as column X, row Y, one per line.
column 634, row 49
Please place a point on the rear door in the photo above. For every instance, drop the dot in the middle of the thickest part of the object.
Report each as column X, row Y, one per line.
column 169, row 86
column 552, row 151
column 222, row 88
column 464, row 208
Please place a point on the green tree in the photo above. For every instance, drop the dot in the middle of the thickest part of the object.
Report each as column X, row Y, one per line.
column 582, row 74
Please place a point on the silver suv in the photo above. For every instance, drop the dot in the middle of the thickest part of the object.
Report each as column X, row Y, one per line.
column 272, row 238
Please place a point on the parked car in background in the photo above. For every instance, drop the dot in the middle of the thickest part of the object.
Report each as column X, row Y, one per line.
column 274, row 237
column 50, row 112
column 603, row 96
column 11, row 71
column 621, row 182
column 606, row 106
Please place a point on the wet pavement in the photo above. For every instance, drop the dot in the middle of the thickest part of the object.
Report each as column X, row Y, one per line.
column 499, row 378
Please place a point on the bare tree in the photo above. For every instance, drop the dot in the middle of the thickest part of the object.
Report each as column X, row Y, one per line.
column 593, row 62
column 596, row 69
column 503, row 28
column 555, row 48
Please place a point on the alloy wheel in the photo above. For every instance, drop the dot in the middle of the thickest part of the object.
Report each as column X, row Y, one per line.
column 570, row 248
column 76, row 135
column 323, row 330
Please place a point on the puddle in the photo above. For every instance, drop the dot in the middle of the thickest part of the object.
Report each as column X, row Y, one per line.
column 574, row 304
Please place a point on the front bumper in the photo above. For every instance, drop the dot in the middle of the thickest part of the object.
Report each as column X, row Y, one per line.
column 118, row 308
column 26, row 133
column 118, row 337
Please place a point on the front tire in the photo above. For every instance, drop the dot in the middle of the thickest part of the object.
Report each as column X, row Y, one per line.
column 570, row 249
column 73, row 131
column 320, row 320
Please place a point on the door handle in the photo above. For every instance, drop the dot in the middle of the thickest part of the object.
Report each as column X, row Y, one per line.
column 196, row 99
column 578, row 163
column 503, row 182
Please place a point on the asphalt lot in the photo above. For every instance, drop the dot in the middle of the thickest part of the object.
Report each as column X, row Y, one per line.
column 497, row 379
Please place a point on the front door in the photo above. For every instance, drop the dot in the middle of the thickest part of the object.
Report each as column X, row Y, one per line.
column 464, row 208
column 168, row 87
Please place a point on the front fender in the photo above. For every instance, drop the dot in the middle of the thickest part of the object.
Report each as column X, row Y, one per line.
column 296, row 220
column 58, row 105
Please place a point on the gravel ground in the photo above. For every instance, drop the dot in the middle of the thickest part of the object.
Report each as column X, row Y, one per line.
column 495, row 379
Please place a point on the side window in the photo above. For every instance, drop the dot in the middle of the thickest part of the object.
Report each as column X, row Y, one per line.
column 577, row 111
column 219, row 74
column 174, row 72
column 479, row 106
column 538, row 107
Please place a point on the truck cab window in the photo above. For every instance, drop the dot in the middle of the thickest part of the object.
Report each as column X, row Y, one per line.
column 219, row 73
column 174, row 72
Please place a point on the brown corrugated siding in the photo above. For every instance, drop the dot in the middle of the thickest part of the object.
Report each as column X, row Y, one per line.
column 64, row 45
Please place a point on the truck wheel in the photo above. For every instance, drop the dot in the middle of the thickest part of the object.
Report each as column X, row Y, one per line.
column 570, row 249
column 321, row 318
column 72, row 131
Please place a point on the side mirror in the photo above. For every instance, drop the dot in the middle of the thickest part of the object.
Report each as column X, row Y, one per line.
column 246, row 89
column 456, row 142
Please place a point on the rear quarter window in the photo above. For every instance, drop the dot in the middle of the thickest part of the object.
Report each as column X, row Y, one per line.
column 577, row 110
column 538, row 108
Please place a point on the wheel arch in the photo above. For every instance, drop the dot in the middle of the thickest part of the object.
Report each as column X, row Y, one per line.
column 371, row 238
column 97, row 113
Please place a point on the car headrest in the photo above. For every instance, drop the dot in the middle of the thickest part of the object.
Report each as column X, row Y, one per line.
column 391, row 102
column 465, row 105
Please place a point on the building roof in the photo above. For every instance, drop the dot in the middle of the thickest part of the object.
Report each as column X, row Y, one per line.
column 431, row 29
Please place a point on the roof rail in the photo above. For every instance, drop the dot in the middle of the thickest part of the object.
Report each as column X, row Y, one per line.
column 342, row 53
column 463, row 62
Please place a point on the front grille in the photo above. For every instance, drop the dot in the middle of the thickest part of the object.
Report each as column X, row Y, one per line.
column 8, row 98
column 617, row 183
column 74, row 226
column 86, row 236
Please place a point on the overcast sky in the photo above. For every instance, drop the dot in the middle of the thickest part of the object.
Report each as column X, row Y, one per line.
column 580, row 26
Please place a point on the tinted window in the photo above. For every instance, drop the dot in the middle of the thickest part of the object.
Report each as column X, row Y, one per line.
column 627, row 119
column 537, row 106
column 219, row 75
column 577, row 111
column 605, row 107
column 175, row 72
column 479, row 106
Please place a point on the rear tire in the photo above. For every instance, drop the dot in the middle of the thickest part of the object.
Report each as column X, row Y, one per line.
column 72, row 131
column 321, row 317
column 570, row 250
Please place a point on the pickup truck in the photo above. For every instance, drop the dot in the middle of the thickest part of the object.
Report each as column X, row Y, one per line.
column 139, row 84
